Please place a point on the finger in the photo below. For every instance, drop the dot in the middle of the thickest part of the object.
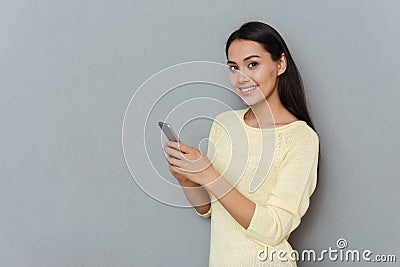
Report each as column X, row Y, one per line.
column 173, row 152
column 174, row 169
column 174, row 161
column 179, row 146
column 171, row 167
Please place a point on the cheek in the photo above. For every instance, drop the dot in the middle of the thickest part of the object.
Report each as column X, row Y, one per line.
column 265, row 77
column 260, row 77
column 232, row 78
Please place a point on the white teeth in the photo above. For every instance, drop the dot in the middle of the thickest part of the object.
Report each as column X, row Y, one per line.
column 248, row 88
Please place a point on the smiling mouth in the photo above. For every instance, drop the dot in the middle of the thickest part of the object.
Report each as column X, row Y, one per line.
column 250, row 88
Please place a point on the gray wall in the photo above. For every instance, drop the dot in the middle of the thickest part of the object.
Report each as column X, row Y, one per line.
column 69, row 69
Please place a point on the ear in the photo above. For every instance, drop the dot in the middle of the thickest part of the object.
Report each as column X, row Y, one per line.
column 282, row 64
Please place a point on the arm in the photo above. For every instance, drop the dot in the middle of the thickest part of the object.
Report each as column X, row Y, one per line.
column 289, row 200
column 198, row 197
column 195, row 193
column 240, row 207
column 195, row 182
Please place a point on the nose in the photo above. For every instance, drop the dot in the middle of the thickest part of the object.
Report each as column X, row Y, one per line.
column 242, row 77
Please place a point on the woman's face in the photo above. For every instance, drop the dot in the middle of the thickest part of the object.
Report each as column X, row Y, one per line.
column 252, row 72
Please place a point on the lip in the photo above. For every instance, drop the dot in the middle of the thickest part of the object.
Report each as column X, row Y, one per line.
column 247, row 87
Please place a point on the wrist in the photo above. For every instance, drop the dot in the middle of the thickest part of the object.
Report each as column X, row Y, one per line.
column 187, row 183
column 211, row 176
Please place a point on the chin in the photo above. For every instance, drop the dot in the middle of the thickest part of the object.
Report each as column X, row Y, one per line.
column 251, row 102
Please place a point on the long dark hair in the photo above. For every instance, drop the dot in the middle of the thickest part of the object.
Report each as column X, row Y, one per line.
column 290, row 84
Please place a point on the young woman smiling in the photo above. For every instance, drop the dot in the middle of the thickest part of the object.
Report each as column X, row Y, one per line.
column 246, row 222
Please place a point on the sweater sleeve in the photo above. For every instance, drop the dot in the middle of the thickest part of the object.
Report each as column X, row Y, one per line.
column 208, row 213
column 211, row 153
column 296, row 181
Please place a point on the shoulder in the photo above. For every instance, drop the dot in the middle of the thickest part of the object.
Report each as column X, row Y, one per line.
column 301, row 134
column 226, row 122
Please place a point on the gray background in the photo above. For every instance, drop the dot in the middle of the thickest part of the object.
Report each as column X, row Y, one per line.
column 69, row 68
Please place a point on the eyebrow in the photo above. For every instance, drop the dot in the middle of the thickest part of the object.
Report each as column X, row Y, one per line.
column 246, row 58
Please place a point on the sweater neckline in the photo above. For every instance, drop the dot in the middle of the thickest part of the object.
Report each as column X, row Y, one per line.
column 242, row 112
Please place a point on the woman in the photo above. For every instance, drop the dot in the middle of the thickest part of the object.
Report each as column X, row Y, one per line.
column 248, row 226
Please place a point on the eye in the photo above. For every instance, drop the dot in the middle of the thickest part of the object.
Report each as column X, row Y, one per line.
column 252, row 65
column 233, row 68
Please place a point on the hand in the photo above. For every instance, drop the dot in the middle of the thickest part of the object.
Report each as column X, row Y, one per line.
column 181, row 178
column 187, row 162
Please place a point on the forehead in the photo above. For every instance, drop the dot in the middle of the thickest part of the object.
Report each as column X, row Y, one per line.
column 240, row 49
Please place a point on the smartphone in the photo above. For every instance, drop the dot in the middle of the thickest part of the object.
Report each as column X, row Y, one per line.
column 168, row 131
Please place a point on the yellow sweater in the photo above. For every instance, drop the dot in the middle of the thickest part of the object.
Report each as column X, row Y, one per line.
column 287, row 158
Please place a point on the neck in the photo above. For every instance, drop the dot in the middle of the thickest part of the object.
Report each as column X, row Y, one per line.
column 261, row 114
column 270, row 112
